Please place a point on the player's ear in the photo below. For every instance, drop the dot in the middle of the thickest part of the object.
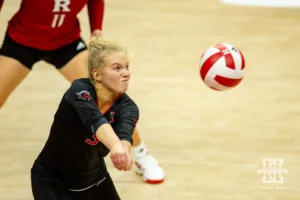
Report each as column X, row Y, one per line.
column 96, row 75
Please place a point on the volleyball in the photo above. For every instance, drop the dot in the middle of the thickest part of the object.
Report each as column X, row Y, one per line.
column 222, row 67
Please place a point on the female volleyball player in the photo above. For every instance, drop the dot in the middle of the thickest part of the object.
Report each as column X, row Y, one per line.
column 95, row 116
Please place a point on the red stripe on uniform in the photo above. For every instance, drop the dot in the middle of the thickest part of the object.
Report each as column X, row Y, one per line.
column 227, row 82
column 228, row 57
column 209, row 63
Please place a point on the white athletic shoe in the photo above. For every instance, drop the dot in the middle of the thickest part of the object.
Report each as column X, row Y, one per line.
column 149, row 168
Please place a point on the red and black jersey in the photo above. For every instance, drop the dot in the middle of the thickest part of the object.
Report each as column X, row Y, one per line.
column 72, row 153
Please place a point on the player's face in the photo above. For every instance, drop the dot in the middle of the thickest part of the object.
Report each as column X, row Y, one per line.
column 116, row 72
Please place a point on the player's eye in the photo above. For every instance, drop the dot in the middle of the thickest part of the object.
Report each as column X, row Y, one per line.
column 117, row 68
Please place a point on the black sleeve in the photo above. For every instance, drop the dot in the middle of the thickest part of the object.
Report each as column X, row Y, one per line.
column 126, row 121
column 79, row 96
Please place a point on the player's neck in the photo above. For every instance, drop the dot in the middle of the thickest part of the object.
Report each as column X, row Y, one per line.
column 105, row 96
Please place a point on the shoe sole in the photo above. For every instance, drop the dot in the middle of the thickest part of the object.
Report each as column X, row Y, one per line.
column 153, row 181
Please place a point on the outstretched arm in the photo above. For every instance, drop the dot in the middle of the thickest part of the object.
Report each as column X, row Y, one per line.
column 1, row 3
column 127, row 145
column 119, row 154
column 107, row 136
column 96, row 14
column 125, row 123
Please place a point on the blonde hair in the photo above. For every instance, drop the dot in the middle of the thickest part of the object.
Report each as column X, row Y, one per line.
column 99, row 49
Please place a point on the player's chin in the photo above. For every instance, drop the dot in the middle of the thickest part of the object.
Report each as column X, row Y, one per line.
column 123, row 88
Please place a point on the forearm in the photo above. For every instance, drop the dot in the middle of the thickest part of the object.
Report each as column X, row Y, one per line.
column 107, row 136
column 126, row 145
column 1, row 3
column 96, row 14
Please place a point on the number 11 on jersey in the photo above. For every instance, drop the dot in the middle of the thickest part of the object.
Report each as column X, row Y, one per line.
column 58, row 20
column 60, row 8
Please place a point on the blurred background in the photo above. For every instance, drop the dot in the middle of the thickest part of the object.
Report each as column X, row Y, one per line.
column 211, row 144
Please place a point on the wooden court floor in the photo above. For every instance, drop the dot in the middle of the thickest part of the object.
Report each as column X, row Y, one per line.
column 211, row 144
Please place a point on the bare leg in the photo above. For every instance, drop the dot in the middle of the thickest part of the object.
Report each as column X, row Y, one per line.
column 76, row 68
column 136, row 138
column 12, row 73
